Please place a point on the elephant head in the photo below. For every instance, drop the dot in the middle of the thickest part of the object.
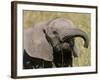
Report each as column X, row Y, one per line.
column 61, row 34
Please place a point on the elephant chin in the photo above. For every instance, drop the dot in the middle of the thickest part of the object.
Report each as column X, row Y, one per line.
column 72, row 33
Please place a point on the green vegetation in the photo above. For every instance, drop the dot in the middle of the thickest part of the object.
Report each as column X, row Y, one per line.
column 81, row 20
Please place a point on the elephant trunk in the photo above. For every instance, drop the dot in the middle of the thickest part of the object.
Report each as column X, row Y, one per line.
column 70, row 33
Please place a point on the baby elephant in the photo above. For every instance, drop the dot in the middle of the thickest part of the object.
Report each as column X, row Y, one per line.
column 52, row 44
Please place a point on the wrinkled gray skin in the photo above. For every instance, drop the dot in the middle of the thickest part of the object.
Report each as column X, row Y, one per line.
column 54, row 41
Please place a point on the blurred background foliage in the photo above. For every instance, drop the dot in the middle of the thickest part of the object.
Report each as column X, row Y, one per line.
column 81, row 21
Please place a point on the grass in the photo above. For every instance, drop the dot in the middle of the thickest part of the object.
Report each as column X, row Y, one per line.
column 81, row 20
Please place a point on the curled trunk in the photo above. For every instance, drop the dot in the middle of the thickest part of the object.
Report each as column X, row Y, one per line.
column 72, row 33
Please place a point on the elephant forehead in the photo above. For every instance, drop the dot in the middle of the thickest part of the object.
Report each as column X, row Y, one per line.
column 61, row 26
column 36, row 44
column 61, row 22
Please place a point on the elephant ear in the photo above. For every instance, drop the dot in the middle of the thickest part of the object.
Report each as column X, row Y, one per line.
column 35, row 43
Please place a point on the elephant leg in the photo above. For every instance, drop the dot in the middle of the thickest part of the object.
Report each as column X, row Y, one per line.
column 57, row 59
column 67, row 59
column 63, row 60
column 67, row 53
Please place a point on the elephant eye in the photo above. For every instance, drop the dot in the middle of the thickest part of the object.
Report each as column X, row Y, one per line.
column 54, row 32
